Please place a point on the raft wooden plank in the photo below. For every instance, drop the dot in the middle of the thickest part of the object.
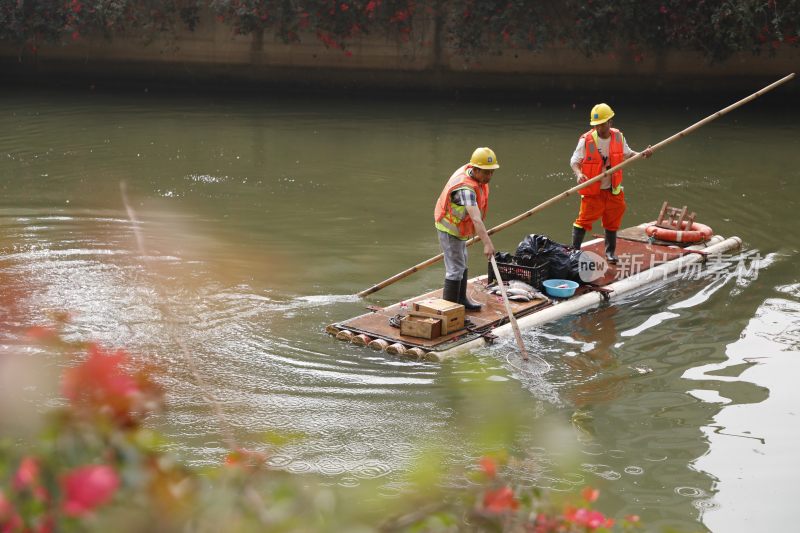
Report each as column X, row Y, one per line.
column 492, row 313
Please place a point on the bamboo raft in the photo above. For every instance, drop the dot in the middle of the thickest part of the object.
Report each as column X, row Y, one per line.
column 643, row 261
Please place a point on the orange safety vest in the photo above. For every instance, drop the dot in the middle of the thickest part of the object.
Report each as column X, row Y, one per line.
column 453, row 218
column 592, row 164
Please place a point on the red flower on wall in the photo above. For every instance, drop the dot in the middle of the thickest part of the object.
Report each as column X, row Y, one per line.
column 400, row 16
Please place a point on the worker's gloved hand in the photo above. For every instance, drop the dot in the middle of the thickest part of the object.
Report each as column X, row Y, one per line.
column 581, row 177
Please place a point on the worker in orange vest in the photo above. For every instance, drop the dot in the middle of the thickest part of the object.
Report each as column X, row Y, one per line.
column 599, row 149
column 458, row 216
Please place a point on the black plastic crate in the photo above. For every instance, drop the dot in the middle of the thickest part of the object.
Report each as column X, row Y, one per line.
column 532, row 275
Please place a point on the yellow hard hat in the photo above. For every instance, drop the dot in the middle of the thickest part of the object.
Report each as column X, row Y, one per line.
column 600, row 113
column 484, row 158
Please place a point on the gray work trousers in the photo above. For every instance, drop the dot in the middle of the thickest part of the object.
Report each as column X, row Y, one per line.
column 455, row 255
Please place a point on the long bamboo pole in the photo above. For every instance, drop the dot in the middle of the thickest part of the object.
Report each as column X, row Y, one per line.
column 509, row 312
column 554, row 199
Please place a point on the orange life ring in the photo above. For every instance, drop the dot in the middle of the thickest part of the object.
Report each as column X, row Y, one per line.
column 697, row 233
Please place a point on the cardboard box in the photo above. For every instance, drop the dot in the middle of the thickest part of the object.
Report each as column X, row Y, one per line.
column 452, row 314
column 423, row 327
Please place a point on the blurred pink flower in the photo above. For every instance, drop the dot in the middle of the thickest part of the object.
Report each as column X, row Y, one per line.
column 588, row 518
column 7, row 514
column 88, row 487
column 101, row 382
column 9, row 519
column 27, row 474
column 590, row 495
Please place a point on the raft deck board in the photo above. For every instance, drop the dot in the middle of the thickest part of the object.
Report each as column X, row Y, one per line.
column 636, row 253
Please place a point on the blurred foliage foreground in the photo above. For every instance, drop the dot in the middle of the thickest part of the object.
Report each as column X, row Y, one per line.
column 92, row 462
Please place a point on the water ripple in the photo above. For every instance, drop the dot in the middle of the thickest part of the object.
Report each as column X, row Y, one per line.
column 372, row 469
column 601, row 470
column 690, row 492
column 705, row 505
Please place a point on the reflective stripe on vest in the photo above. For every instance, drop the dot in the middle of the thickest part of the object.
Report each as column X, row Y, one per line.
column 453, row 218
column 450, row 221
column 592, row 164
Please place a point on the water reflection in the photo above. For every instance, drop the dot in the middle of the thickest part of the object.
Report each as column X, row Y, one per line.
column 744, row 432
column 595, row 368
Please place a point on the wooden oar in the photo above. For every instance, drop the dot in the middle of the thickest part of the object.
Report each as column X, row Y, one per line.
column 511, row 317
column 580, row 186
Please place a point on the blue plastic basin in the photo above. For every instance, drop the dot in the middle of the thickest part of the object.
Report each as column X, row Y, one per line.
column 560, row 288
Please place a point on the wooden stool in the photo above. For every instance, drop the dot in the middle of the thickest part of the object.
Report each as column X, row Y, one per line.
column 673, row 217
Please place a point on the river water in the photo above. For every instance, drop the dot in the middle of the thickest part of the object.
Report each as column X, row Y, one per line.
column 229, row 232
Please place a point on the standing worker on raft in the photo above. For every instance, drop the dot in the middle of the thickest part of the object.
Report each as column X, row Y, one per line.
column 599, row 149
column 458, row 216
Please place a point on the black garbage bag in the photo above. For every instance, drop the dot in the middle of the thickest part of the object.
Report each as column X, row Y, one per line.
column 504, row 257
column 562, row 261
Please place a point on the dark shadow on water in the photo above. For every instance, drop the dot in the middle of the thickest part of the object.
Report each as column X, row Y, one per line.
column 371, row 85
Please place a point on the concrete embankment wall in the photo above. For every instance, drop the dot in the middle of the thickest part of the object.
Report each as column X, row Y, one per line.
column 213, row 56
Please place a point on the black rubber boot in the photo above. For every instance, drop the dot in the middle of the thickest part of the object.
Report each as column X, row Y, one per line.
column 611, row 247
column 577, row 237
column 451, row 290
column 462, row 295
